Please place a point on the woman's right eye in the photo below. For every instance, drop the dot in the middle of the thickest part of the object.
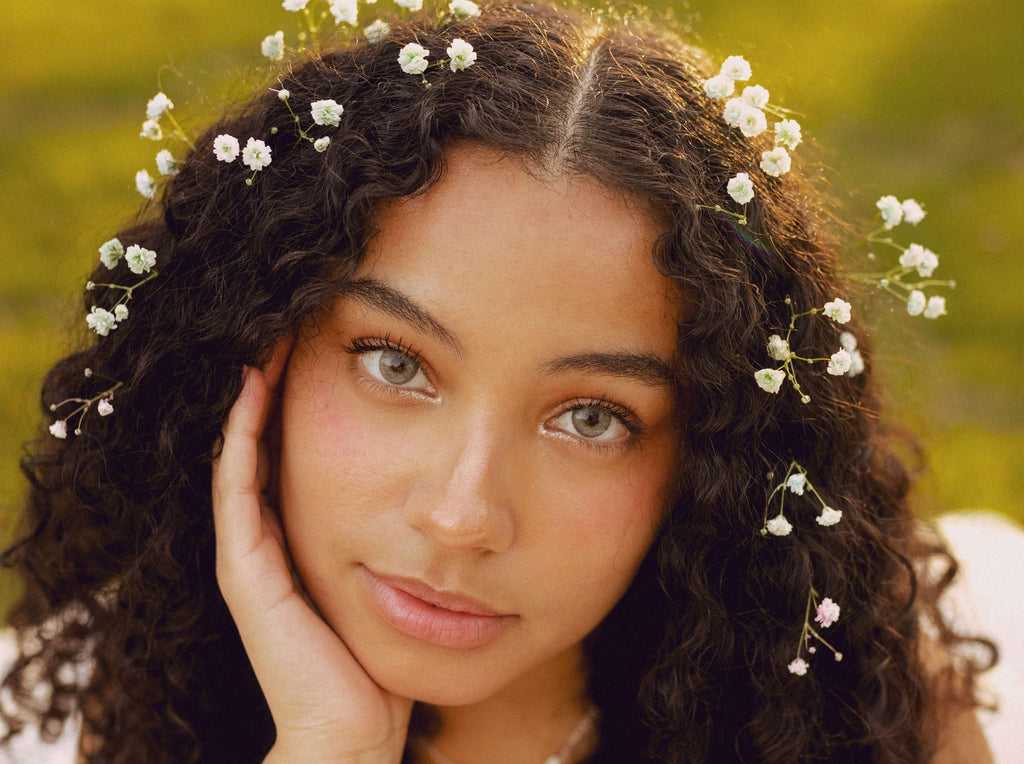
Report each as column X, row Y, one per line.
column 395, row 368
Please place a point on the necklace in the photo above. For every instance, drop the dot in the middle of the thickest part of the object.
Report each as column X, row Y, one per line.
column 583, row 732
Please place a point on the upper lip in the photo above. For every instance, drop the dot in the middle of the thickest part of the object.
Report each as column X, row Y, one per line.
column 454, row 601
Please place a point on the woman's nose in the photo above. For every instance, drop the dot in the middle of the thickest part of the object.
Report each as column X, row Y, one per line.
column 462, row 500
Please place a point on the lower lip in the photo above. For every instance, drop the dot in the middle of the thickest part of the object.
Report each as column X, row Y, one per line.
column 446, row 628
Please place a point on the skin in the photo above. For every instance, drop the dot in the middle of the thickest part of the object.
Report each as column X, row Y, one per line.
column 473, row 476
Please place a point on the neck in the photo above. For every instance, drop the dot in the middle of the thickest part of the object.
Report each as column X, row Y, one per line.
column 524, row 723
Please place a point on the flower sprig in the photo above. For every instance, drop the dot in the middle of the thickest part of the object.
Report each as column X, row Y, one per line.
column 102, row 401
column 140, row 261
column 413, row 58
column 826, row 613
column 795, row 481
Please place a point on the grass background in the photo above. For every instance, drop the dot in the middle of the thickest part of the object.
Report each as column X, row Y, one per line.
column 917, row 98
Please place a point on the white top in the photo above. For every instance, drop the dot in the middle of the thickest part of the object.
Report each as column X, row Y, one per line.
column 985, row 600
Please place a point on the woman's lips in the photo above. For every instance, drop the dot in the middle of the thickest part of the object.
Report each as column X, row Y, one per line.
column 442, row 618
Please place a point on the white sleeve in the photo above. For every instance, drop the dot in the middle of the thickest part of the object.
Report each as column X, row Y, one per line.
column 986, row 599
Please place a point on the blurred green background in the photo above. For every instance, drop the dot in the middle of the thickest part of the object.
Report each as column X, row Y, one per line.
column 916, row 98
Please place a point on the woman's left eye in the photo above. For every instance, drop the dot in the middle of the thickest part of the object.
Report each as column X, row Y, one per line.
column 395, row 368
column 592, row 423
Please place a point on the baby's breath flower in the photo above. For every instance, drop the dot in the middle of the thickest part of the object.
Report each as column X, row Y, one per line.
column 787, row 133
column 775, row 162
column 911, row 256
column 413, row 58
column 755, row 96
column 838, row 310
column 326, row 112
column 166, row 163
column 797, row 666
column 377, row 31
column 273, row 46
column 828, row 516
column 294, row 5
column 733, row 112
column 770, row 380
column 101, row 321
column 779, row 526
column 111, row 252
column 225, row 147
column 913, row 212
column 145, row 184
column 719, row 87
column 848, row 341
column 915, row 303
column 752, row 122
column 856, row 363
column 256, row 154
column 796, row 483
column 140, row 260
column 321, row 144
column 412, row 5
column 284, row 94
column 839, row 363
column 927, row 263
column 778, row 348
column 892, row 211
column 59, row 429
column 936, row 307
column 463, row 9
column 120, row 312
column 104, row 407
column 344, row 11
column 461, row 54
column 157, row 106
column 736, row 68
column 828, row 613
column 151, row 129
column 740, row 188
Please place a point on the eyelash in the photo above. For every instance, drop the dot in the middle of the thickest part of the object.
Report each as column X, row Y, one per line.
column 633, row 424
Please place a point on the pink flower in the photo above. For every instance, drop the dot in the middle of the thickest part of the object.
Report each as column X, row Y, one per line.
column 828, row 613
column 798, row 667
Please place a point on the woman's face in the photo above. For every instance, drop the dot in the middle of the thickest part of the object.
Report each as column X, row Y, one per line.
column 476, row 440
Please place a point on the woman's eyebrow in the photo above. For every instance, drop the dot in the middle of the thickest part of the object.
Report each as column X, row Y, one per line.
column 377, row 294
column 644, row 367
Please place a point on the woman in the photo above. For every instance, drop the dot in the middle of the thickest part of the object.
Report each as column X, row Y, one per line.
column 495, row 481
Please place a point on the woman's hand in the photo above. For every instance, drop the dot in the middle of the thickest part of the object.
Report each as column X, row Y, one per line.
column 325, row 707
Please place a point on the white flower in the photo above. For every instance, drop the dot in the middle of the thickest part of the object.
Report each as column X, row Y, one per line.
column 105, row 407
column 111, row 252
column 463, row 9
column 294, row 5
column 915, row 303
column 828, row 517
column 377, row 31
column 719, row 87
column 145, row 184
column 838, row 310
column 120, row 312
column 752, row 122
column 839, row 363
column 798, row 667
column 736, row 68
column 284, row 94
column 326, row 112
column 779, row 526
column 913, row 212
column 770, row 380
column 775, row 162
column 828, row 613
column 911, row 256
column 927, row 263
column 778, row 348
column 461, row 54
column 936, row 307
column 59, row 429
column 848, row 341
column 256, row 154
column 321, row 144
column 344, row 11
column 139, row 259
column 151, row 129
column 740, row 188
column 273, row 46
column 101, row 321
column 157, row 105
column 856, row 363
column 413, row 58
column 796, row 483
column 787, row 132
column 733, row 112
column 412, row 5
column 225, row 147
column 166, row 163
column 892, row 211
column 755, row 96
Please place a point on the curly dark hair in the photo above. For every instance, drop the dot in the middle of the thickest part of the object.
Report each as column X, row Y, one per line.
column 117, row 547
